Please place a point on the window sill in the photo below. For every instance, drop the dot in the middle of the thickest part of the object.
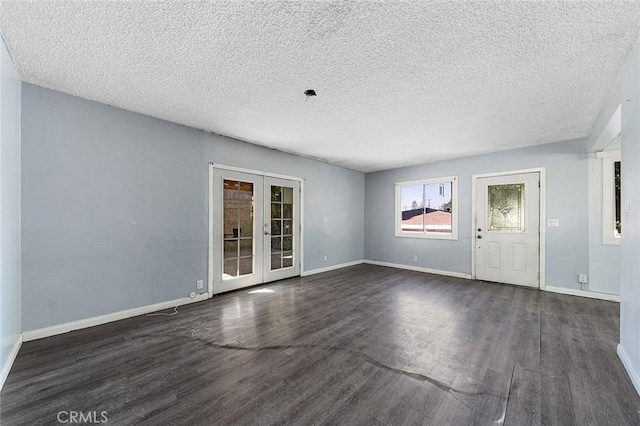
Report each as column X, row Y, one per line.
column 433, row 236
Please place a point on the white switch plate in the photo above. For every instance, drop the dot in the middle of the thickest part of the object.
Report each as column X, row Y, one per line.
column 553, row 222
column 627, row 205
column 582, row 279
column 200, row 284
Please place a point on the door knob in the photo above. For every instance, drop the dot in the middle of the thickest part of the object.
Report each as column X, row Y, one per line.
column 479, row 237
column 479, row 230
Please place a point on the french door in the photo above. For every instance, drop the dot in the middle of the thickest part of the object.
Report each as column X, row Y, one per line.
column 507, row 232
column 255, row 229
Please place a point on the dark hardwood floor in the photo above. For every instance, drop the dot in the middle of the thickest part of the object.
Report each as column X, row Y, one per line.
column 364, row 345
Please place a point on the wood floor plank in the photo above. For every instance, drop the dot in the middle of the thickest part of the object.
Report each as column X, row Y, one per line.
column 524, row 403
column 556, row 404
column 365, row 345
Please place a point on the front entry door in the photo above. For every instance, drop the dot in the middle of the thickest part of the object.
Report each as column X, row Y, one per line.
column 507, row 229
column 255, row 229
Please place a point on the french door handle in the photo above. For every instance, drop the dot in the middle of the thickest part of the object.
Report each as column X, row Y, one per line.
column 267, row 233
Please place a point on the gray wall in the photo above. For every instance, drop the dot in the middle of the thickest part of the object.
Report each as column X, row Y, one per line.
column 566, row 245
column 627, row 93
column 115, row 207
column 604, row 260
column 10, row 326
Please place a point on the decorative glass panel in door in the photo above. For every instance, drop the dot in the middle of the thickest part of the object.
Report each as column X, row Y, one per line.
column 506, row 207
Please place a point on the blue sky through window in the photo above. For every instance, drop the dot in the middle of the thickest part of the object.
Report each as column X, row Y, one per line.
column 432, row 197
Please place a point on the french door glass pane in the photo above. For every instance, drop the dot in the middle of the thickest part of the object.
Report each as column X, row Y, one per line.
column 238, row 228
column 287, row 195
column 276, row 227
column 276, row 244
column 276, row 193
column 281, row 250
column 246, row 265
column 287, row 211
column 246, row 228
column 287, row 227
column 287, row 259
column 287, row 243
column 230, row 268
column 276, row 261
column 246, row 247
column 276, row 210
column 230, row 249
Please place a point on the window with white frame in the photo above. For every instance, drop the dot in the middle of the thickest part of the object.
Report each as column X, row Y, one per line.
column 427, row 208
column 611, row 197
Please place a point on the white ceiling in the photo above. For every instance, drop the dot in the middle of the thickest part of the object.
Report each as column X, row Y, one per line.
column 398, row 83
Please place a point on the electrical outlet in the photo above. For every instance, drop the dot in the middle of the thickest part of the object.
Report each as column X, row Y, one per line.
column 582, row 279
column 388, row 255
column 325, row 258
column 415, row 257
column 200, row 284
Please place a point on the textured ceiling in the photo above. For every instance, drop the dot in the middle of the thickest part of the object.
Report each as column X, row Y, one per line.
column 398, row 83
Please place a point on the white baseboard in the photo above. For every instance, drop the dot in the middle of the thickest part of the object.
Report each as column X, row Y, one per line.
column 633, row 374
column 330, row 268
column 6, row 368
column 583, row 293
column 419, row 269
column 561, row 290
column 41, row 333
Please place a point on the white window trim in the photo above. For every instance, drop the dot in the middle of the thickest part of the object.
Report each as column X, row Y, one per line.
column 608, row 197
column 430, row 235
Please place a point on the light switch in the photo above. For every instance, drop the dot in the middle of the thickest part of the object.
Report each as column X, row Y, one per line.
column 627, row 205
column 553, row 222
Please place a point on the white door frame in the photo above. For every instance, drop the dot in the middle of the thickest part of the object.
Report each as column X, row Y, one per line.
column 213, row 166
column 543, row 215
